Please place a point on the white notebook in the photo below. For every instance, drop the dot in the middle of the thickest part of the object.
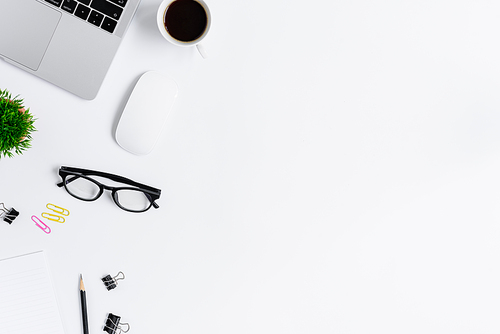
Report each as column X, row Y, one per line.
column 28, row 302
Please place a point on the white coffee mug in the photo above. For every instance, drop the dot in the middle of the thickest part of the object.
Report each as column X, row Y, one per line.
column 160, row 19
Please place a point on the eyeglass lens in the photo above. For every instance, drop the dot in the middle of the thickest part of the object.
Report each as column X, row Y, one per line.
column 81, row 187
column 134, row 200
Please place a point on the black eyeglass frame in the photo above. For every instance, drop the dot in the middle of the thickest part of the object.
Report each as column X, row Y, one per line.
column 151, row 193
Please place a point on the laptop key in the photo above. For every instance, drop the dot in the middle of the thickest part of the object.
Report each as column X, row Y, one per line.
column 69, row 5
column 107, row 8
column 85, row 2
column 95, row 18
column 82, row 11
column 121, row 3
column 109, row 25
column 54, row 2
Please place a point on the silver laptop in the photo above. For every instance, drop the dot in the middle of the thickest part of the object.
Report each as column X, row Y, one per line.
column 70, row 43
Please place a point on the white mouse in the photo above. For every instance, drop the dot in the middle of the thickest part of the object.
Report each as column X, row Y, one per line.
column 146, row 112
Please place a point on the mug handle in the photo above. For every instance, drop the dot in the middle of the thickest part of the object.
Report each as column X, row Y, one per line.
column 202, row 51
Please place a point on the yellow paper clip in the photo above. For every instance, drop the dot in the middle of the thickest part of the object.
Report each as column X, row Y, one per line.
column 58, row 209
column 54, row 218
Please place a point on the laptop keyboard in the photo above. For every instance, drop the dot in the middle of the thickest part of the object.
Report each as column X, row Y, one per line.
column 101, row 13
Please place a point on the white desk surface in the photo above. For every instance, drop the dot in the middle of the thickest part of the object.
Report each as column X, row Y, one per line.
column 333, row 167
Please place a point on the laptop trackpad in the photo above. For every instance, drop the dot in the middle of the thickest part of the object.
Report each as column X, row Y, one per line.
column 28, row 27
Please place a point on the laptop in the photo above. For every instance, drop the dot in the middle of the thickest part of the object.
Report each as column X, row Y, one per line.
column 70, row 43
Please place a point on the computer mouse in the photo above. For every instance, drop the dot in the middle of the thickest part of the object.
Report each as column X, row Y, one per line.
column 146, row 113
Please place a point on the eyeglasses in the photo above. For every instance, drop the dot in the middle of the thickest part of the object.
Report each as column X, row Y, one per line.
column 137, row 198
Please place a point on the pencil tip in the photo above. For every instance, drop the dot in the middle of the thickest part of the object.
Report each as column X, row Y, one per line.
column 82, row 287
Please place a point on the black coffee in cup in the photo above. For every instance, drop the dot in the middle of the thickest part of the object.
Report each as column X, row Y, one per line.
column 185, row 20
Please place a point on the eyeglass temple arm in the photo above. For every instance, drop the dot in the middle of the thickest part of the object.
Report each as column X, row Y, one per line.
column 156, row 206
column 113, row 177
column 122, row 179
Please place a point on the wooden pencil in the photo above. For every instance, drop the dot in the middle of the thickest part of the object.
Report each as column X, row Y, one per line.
column 83, row 300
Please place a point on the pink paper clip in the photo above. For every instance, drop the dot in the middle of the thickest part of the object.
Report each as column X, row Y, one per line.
column 40, row 224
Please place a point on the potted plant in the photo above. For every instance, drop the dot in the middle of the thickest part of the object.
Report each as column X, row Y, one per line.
column 16, row 125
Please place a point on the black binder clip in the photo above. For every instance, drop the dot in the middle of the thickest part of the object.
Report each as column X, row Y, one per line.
column 8, row 215
column 112, row 282
column 113, row 325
